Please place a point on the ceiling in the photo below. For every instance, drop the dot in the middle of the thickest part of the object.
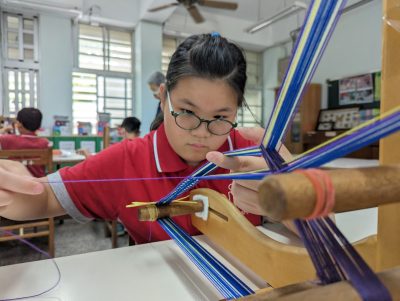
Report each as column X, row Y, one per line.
column 176, row 19
column 249, row 10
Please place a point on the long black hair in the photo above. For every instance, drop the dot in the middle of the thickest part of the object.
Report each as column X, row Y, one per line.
column 209, row 56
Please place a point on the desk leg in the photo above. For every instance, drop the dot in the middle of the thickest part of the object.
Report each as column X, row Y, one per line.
column 114, row 236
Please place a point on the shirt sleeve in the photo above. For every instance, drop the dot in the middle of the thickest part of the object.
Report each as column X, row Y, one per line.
column 91, row 188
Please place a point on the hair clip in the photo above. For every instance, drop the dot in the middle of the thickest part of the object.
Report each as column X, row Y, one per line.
column 215, row 34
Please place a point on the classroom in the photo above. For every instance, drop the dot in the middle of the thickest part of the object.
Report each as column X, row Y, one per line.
column 220, row 149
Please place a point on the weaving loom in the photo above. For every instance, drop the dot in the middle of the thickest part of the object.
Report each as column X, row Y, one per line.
column 279, row 264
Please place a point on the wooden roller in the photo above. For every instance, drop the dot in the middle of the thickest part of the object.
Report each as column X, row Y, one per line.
column 152, row 212
column 292, row 195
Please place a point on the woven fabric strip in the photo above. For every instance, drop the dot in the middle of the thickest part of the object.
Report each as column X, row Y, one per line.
column 229, row 285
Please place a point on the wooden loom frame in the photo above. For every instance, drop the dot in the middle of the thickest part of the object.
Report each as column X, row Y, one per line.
column 280, row 264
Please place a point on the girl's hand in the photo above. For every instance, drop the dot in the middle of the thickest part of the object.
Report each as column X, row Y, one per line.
column 7, row 129
column 245, row 192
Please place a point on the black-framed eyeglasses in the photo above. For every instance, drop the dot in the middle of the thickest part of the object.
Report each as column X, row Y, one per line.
column 190, row 121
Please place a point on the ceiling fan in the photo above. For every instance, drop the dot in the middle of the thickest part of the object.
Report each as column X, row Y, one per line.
column 191, row 7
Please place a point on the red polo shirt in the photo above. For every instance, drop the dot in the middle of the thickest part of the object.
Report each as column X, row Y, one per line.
column 147, row 157
column 26, row 142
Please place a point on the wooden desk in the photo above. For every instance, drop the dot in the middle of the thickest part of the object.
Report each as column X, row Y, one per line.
column 75, row 158
column 156, row 271
column 58, row 160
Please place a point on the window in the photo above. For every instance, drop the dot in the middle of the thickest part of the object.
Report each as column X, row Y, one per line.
column 96, row 93
column 101, row 48
column 103, row 79
column 21, row 90
column 169, row 46
column 21, row 63
column 253, row 92
column 20, row 38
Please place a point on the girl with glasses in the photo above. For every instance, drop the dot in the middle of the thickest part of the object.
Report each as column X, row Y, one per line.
column 204, row 89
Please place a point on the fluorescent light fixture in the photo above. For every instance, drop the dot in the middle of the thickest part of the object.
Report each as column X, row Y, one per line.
column 60, row 9
column 288, row 11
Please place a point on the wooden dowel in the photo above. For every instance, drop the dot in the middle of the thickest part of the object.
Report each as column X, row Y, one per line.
column 292, row 195
column 152, row 212
column 340, row 291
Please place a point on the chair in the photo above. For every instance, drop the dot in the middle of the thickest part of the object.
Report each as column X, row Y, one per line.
column 29, row 229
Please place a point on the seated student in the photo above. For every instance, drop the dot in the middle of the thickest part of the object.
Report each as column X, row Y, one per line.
column 130, row 128
column 200, row 100
column 28, row 122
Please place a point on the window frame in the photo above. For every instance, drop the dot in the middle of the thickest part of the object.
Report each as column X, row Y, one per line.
column 106, row 50
column 105, row 73
column 33, row 92
column 15, row 63
column 19, row 65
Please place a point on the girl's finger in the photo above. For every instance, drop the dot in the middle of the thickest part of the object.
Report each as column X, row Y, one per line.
column 223, row 161
column 236, row 164
column 249, row 184
column 246, row 199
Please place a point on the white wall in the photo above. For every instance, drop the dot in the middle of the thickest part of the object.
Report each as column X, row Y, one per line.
column 121, row 10
column 355, row 48
column 148, row 48
column 56, row 61
column 270, row 75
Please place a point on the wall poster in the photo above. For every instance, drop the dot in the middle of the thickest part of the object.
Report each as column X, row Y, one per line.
column 356, row 90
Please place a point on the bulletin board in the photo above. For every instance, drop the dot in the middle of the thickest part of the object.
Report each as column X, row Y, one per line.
column 361, row 90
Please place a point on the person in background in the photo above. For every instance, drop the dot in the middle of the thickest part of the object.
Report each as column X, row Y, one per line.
column 130, row 128
column 28, row 122
column 154, row 82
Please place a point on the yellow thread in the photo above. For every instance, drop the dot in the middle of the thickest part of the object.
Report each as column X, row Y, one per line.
column 141, row 204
